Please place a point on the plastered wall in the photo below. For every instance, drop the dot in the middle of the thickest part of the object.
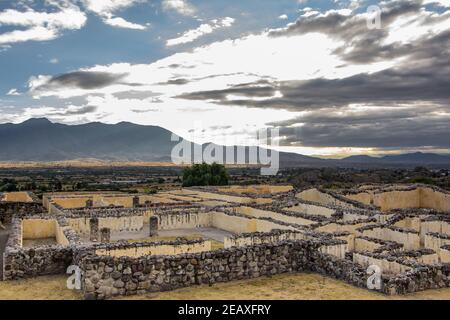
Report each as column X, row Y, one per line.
column 259, row 239
column 390, row 267
column 398, row 199
column 38, row 229
column 228, row 198
column 156, row 250
column 410, row 241
column 264, row 189
column 117, row 224
column 435, row 243
column 335, row 227
column 365, row 245
column 234, row 224
column 43, row 229
column 252, row 212
column 444, row 255
column 409, row 223
column 311, row 209
column 337, row 250
column 188, row 220
column 315, row 195
column 433, row 226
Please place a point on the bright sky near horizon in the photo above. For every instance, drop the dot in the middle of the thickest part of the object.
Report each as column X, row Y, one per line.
column 333, row 84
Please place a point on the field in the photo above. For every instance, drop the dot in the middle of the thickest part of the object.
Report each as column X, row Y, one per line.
column 303, row 286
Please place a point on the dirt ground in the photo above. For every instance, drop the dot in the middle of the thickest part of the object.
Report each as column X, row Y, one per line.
column 302, row 286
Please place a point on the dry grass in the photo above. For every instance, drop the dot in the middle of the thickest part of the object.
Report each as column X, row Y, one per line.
column 303, row 286
column 42, row 288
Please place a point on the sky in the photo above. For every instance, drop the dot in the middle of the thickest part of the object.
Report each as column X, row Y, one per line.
column 335, row 77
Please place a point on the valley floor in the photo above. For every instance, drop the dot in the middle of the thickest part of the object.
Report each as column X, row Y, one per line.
column 303, row 286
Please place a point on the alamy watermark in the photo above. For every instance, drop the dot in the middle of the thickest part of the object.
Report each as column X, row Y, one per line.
column 75, row 280
column 373, row 17
column 234, row 152
column 374, row 279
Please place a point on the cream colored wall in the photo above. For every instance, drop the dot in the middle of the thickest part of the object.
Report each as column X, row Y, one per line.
column 315, row 195
column 156, row 250
column 52, row 209
column 252, row 212
column 435, row 243
column 386, row 266
column 116, row 224
column 363, row 197
column 337, row 250
column 334, row 227
column 185, row 220
column 38, row 229
column 156, row 199
column 444, row 255
column 410, row 241
column 397, row 199
column 418, row 198
column 350, row 239
column 70, row 203
column 311, row 209
column 257, row 189
column 105, row 201
column 352, row 217
column 228, row 198
column 433, row 226
column 252, row 240
column 60, row 236
column 409, row 223
column 268, row 226
column 233, row 224
column 365, row 245
column 430, row 198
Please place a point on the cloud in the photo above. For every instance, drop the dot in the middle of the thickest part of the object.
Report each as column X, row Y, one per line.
column 411, row 126
column 181, row 6
column 403, row 24
column 40, row 25
column 86, row 80
column 122, row 23
column 106, row 9
column 202, row 30
column 13, row 92
column 283, row 17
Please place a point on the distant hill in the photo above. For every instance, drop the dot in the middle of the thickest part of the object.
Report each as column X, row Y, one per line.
column 42, row 140
column 407, row 158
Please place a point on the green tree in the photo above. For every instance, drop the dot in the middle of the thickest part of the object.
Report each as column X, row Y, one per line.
column 205, row 175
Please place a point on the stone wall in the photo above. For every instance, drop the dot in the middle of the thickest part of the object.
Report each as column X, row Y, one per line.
column 8, row 210
column 106, row 276
column 20, row 263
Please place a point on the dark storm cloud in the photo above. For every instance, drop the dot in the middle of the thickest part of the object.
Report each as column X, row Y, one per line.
column 429, row 82
column 86, row 80
column 362, row 45
column 381, row 129
column 177, row 82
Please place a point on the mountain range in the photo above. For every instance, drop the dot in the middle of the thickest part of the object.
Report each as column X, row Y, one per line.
column 42, row 140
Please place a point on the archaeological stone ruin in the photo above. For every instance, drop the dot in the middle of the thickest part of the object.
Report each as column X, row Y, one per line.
column 394, row 239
